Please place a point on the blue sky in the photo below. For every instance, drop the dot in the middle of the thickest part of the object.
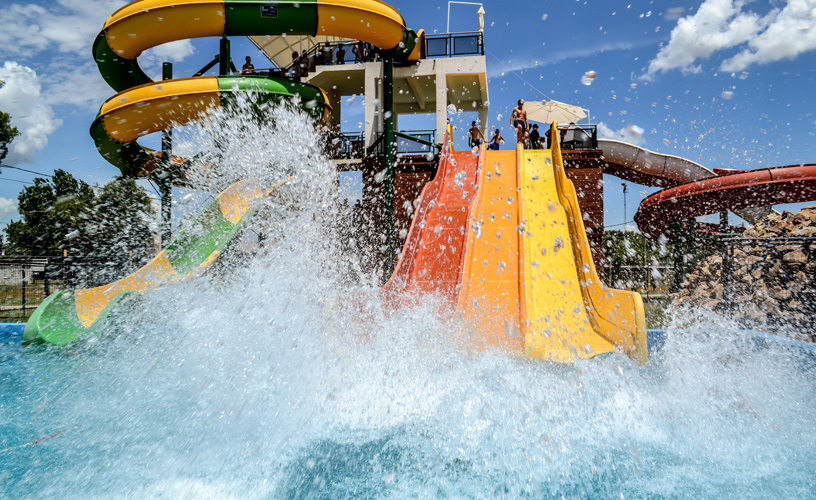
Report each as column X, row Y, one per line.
column 728, row 84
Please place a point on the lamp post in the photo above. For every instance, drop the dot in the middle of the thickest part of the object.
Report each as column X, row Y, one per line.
column 624, row 205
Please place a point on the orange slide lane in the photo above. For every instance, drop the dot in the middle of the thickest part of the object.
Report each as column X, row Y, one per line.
column 432, row 255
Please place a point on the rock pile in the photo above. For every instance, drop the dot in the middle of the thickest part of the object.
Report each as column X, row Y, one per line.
column 771, row 284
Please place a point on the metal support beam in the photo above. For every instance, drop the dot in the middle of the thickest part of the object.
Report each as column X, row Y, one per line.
column 679, row 251
column 390, row 158
column 224, row 60
column 166, row 181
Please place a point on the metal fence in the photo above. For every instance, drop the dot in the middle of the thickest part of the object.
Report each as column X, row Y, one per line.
column 454, row 44
column 26, row 281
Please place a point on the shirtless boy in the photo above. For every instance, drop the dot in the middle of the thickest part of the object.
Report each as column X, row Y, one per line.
column 475, row 137
column 519, row 116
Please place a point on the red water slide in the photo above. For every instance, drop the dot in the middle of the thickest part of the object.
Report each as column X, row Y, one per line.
column 733, row 191
column 432, row 255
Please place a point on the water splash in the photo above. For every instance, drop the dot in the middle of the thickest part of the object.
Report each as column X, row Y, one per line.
column 277, row 376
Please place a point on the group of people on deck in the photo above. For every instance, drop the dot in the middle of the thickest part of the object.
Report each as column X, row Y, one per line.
column 328, row 54
column 530, row 137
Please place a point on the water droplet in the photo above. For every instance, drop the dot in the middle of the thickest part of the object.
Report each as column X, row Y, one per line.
column 544, row 17
column 727, row 94
column 535, row 263
column 451, row 109
column 477, row 229
column 588, row 77
column 559, row 244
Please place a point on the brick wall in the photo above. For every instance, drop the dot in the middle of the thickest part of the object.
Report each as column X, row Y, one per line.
column 407, row 188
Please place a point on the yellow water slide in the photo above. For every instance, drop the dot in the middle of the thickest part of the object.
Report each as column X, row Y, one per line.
column 528, row 280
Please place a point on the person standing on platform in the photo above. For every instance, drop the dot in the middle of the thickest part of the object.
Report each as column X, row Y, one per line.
column 535, row 137
column 495, row 141
column 248, row 68
column 475, row 137
column 519, row 116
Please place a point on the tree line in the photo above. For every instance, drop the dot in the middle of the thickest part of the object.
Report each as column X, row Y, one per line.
column 106, row 231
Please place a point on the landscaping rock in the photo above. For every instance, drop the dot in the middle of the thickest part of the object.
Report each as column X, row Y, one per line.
column 772, row 285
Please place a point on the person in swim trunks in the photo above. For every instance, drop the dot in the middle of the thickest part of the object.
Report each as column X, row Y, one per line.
column 519, row 116
column 475, row 137
column 496, row 141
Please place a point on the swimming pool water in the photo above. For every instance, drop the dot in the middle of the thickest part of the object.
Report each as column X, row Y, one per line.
column 284, row 407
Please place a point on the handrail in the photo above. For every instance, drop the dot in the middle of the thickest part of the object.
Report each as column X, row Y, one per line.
column 417, row 139
column 450, row 44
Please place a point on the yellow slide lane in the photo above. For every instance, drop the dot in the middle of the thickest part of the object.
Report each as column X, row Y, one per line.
column 144, row 24
column 555, row 323
column 528, row 282
column 489, row 294
column 616, row 315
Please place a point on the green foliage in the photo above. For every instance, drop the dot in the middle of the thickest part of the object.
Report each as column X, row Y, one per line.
column 51, row 210
column 7, row 132
column 116, row 237
column 626, row 260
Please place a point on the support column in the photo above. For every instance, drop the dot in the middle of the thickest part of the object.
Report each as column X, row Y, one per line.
column 390, row 158
column 724, row 225
column 441, row 101
column 483, row 111
column 679, row 251
column 166, row 181
column 371, row 126
column 224, row 59
column 335, row 118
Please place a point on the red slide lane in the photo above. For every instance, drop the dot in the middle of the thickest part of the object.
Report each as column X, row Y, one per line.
column 432, row 254
column 768, row 186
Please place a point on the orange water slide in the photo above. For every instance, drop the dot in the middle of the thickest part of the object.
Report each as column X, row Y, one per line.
column 431, row 257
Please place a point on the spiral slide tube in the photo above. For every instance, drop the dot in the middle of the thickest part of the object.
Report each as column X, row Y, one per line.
column 143, row 106
column 767, row 186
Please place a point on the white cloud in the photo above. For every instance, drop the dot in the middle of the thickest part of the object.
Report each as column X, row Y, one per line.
column 29, row 111
column 8, row 210
column 631, row 134
column 51, row 37
column 64, row 26
column 792, row 32
column 555, row 57
column 172, row 51
column 724, row 24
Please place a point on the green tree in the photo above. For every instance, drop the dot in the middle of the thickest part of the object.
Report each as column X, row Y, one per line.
column 52, row 210
column 116, row 237
column 7, row 132
column 624, row 259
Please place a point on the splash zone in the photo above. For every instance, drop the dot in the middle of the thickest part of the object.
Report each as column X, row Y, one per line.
column 500, row 235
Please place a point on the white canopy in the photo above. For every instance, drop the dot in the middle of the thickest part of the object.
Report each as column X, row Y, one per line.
column 279, row 48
